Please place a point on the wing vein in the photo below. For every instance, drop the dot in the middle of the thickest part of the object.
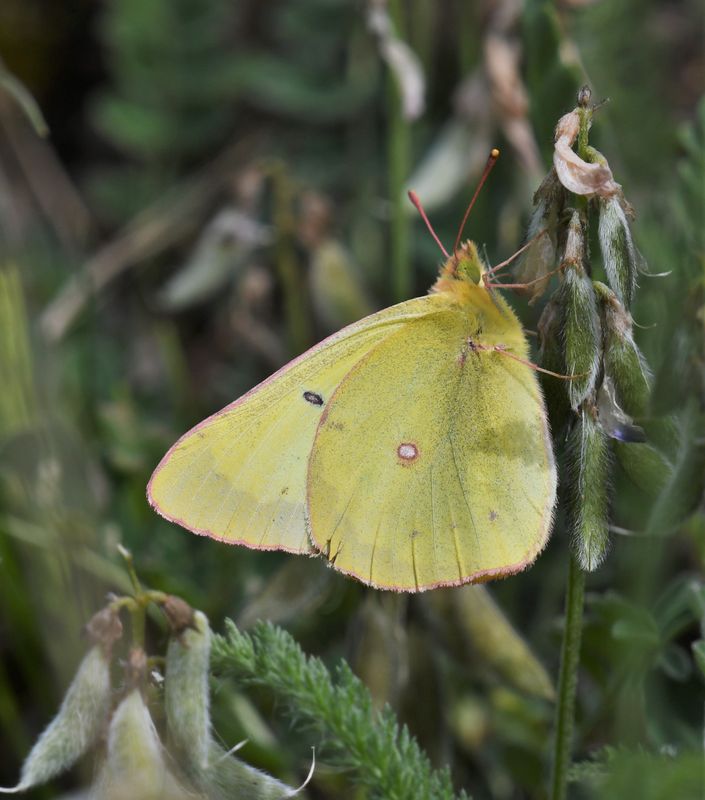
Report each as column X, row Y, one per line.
column 433, row 524
column 462, row 489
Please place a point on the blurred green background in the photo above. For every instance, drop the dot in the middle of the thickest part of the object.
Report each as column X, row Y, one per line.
column 222, row 186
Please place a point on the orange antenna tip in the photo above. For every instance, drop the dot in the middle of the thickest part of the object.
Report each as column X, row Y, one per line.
column 494, row 152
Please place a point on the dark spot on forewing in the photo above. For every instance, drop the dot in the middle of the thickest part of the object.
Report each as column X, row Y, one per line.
column 313, row 398
column 493, row 515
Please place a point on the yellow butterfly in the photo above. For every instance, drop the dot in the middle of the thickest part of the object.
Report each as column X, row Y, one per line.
column 411, row 449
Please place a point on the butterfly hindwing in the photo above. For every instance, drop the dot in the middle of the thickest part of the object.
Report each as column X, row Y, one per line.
column 432, row 464
column 240, row 476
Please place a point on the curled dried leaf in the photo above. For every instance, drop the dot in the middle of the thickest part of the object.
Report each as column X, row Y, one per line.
column 577, row 175
column 568, row 127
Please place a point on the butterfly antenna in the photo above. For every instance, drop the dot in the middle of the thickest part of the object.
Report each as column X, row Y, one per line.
column 494, row 155
column 415, row 200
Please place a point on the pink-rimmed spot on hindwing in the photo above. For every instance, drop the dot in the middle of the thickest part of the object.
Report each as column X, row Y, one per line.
column 408, row 452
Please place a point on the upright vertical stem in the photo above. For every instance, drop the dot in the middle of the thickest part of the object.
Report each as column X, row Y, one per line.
column 398, row 148
column 568, row 680
column 575, row 588
column 288, row 269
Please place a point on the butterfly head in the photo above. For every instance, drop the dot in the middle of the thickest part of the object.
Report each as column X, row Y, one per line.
column 461, row 275
column 465, row 264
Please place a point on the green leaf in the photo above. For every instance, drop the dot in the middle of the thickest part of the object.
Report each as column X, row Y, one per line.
column 676, row 663
column 698, row 648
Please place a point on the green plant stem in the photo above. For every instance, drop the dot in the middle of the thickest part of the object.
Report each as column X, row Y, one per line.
column 138, row 618
column 288, row 268
column 130, row 567
column 568, row 680
column 398, row 148
column 575, row 589
column 581, row 201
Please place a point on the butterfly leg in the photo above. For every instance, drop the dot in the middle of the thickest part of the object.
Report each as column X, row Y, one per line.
column 503, row 349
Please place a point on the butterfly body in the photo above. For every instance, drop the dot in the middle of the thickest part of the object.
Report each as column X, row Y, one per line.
column 408, row 448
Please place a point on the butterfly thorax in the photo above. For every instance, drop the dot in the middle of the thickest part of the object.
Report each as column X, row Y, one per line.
column 461, row 281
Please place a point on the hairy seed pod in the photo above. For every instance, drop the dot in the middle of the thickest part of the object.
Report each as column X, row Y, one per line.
column 623, row 360
column 134, row 766
column 540, row 257
column 614, row 421
column 78, row 725
column 552, row 357
column 186, row 695
column 589, row 464
column 581, row 332
column 619, row 255
column 227, row 777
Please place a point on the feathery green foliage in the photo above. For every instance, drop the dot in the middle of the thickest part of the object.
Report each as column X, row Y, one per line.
column 385, row 757
column 613, row 772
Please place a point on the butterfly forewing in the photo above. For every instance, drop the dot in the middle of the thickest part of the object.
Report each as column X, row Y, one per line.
column 240, row 475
